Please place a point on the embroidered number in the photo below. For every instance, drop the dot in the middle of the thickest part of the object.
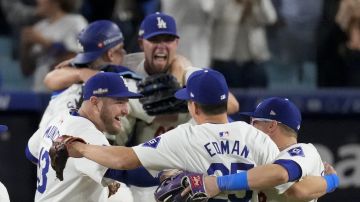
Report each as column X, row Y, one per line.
column 43, row 166
column 235, row 167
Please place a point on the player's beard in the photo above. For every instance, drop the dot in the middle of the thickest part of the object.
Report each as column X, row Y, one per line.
column 111, row 125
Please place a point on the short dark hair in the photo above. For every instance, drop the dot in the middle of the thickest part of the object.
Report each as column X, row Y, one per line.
column 213, row 109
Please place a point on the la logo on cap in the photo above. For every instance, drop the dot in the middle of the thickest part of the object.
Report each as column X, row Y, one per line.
column 161, row 23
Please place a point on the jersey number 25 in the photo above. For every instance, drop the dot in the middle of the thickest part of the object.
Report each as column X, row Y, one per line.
column 235, row 167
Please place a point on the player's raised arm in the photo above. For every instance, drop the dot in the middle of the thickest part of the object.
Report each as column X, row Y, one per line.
column 115, row 157
column 62, row 78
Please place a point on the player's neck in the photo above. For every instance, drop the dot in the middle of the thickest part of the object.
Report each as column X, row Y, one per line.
column 217, row 119
column 88, row 114
column 285, row 142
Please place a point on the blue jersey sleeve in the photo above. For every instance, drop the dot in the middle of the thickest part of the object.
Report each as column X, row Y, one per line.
column 139, row 177
column 293, row 169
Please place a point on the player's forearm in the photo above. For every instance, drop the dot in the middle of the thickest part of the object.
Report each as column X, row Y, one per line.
column 311, row 187
column 62, row 78
column 115, row 157
column 267, row 176
column 257, row 178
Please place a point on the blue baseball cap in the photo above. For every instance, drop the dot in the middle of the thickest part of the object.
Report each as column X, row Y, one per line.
column 107, row 84
column 278, row 109
column 205, row 87
column 3, row 128
column 96, row 39
column 157, row 24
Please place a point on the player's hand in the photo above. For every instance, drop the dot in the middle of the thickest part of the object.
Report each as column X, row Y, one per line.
column 74, row 149
column 329, row 169
column 210, row 185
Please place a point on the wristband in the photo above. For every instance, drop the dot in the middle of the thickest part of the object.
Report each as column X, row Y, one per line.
column 332, row 182
column 233, row 182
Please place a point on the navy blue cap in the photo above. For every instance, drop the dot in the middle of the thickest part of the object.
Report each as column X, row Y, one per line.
column 3, row 128
column 205, row 87
column 157, row 24
column 278, row 109
column 97, row 38
column 107, row 84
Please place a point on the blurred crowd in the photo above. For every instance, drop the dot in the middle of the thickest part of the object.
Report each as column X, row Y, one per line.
column 254, row 43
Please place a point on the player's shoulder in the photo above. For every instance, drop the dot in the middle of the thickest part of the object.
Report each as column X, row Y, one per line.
column 305, row 150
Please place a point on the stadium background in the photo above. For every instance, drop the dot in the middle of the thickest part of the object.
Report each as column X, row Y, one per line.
column 330, row 117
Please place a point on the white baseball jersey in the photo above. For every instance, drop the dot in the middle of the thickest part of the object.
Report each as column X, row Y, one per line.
column 308, row 158
column 61, row 103
column 215, row 149
column 145, row 130
column 83, row 179
column 142, row 130
column 4, row 195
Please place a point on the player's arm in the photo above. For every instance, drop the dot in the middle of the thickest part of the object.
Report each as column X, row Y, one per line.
column 311, row 187
column 139, row 177
column 64, row 77
column 115, row 157
column 268, row 176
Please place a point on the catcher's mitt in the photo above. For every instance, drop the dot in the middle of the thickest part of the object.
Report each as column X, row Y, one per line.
column 159, row 98
column 59, row 154
column 171, row 188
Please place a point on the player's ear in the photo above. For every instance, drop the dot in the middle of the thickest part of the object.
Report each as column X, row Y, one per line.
column 273, row 126
column 94, row 100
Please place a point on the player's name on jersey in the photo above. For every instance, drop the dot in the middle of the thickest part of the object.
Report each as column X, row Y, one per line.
column 227, row 147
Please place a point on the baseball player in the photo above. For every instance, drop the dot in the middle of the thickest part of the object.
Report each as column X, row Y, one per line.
column 105, row 101
column 102, row 44
column 213, row 146
column 4, row 195
column 281, row 119
column 159, row 42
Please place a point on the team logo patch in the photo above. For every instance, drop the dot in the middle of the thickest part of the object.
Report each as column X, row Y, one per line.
column 224, row 134
column 297, row 151
column 100, row 91
column 152, row 143
column 161, row 23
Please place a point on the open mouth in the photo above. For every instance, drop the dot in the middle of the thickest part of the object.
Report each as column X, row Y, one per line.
column 117, row 118
column 160, row 56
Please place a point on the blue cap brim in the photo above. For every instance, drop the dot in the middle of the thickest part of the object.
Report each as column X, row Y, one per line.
column 85, row 58
column 3, row 128
column 182, row 94
column 159, row 33
column 129, row 95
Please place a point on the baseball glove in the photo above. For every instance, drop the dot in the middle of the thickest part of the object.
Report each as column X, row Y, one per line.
column 59, row 154
column 159, row 98
column 171, row 188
